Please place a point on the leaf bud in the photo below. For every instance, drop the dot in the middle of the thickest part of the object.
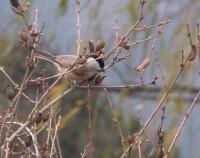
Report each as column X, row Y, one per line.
column 15, row 3
column 91, row 46
column 100, row 45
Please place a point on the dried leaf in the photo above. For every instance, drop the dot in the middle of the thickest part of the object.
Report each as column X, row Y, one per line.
column 143, row 65
column 192, row 56
column 124, row 45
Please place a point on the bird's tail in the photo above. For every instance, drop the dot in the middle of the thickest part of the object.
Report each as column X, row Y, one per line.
column 46, row 56
column 43, row 55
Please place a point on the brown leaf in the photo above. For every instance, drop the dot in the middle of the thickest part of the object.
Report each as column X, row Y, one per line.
column 192, row 56
column 143, row 65
column 123, row 44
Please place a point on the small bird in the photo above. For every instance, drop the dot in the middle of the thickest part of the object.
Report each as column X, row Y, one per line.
column 76, row 68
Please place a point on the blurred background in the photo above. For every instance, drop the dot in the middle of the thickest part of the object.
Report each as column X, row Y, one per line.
column 98, row 21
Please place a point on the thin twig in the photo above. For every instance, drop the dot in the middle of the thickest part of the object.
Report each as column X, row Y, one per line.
column 182, row 124
column 139, row 149
column 127, row 34
column 161, row 72
column 116, row 121
column 85, row 152
column 89, row 108
column 54, row 137
column 78, row 25
column 161, row 101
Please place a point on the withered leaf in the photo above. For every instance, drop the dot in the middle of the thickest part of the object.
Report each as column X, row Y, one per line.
column 143, row 65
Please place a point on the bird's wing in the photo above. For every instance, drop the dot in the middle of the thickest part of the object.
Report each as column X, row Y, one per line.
column 66, row 60
column 72, row 62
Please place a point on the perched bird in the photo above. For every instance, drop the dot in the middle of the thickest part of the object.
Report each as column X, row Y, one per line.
column 75, row 68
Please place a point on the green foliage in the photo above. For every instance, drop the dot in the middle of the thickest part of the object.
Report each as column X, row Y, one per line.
column 63, row 5
column 52, row 36
column 5, row 46
column 95, row 9
column 131, row 9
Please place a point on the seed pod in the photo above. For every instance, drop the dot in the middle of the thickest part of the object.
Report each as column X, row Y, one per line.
column 46, row 117
column 100, row 45
column 15, row 3
column 10, row 93
column 91, row 46
column 24, row 36
column 38, row 118
column 28, row 141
